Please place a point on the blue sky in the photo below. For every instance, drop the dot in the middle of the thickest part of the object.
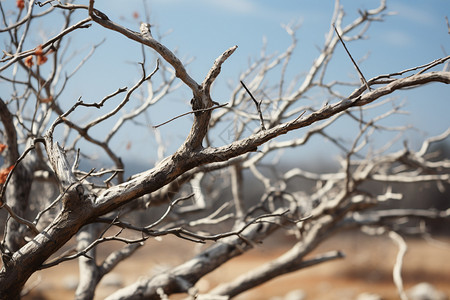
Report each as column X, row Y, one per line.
column 202, row 29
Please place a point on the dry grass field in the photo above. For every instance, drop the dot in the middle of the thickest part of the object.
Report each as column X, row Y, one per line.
column 367, row 267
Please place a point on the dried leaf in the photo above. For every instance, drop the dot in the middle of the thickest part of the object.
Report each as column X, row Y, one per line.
column 29, row 61
column 4, row 174
column 38, row 50
column 41, row 59
column 20, row 4
column 2, row 147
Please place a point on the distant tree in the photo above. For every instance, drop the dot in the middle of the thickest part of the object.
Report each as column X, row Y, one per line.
column 49, row 199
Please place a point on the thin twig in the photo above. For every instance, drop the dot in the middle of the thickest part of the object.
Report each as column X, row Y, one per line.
column 39, row 215
column 402, row 247
column 18, row 56
column 162, row 50
column 190, row 112
column 353, row 61
column 12, row 171
column 84, row 252
column 298, row 118
column 201, row 238
column 169, row 209
column 20, row 219
column 108, row 180
column 258, row 106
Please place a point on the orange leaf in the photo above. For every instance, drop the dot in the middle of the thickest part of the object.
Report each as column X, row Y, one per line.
column 20, row 4
column 41, row 59
column 4, row 174
column 2, row 147
column 38, row 50
column 29, row 61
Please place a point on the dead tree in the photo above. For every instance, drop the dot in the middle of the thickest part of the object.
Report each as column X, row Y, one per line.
column 41, row 138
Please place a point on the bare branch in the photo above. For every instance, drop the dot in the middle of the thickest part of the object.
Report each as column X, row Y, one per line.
column 256, row 277
column 402, row 247
column 168, row 55
column 258, row 106
column 216, row 68
column 245, row 190
column 190, row 112
column 18, row 56
column 363, row 79
column 19, row 219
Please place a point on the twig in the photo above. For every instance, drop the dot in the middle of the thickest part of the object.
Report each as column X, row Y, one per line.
column 353, row 61
column 402, row 247
column 18, row 56
column 162, row 50
column 5, row 205
column 216, row 68
column 2, row 192
column 298, row 118
column 198, row 237
column 169, row 209
column 102, row 102
column 425, row 67
column 190, row 112
column 108, row 180
column 39, row 215
column 258, row 106
column 84, row 252
column 19, row 219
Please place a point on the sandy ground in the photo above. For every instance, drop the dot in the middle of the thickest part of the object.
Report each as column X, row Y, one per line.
column 367, row 267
